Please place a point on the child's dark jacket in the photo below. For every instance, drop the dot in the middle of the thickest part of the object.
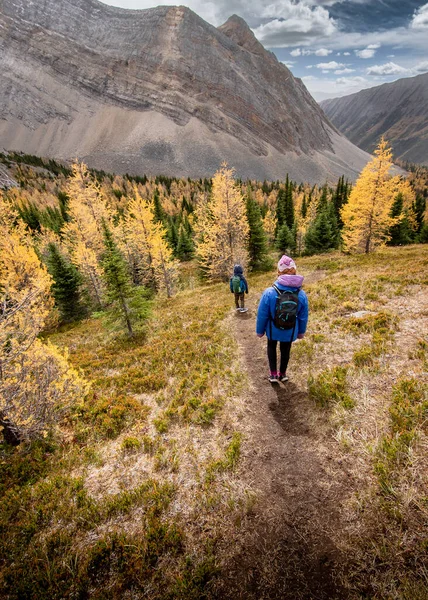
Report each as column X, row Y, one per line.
column 244, row 285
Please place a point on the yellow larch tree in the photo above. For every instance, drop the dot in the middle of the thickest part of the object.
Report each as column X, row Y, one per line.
column 367, row 215
column 269, row 225
column 83, row 235
column 145, row 245
column 222, row 227
column 36, row 382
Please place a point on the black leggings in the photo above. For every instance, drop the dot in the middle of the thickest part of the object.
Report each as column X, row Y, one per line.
column 284, row 348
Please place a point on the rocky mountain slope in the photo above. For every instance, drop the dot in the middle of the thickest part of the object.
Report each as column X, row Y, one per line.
column 157, row 91
column 398, row 111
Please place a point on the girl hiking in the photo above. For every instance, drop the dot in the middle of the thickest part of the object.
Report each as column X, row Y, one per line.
column 283, row 316
column 239, row 287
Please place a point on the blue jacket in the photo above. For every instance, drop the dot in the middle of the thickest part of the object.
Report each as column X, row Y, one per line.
column 266, row 312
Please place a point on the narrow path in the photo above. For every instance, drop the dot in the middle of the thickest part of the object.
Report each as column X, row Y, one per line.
column 287, row 551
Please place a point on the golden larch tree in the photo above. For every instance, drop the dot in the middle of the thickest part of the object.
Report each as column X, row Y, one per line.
column 36, row 382
column 222, row 227
column 367, row 215
column 145, row 245
column 83, row 235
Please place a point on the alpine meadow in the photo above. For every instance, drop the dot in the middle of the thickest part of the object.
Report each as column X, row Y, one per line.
column 144, row 453
column 213, row 300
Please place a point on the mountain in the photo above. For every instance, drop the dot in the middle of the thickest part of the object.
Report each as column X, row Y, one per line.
column 158, row 91
column 398, row 111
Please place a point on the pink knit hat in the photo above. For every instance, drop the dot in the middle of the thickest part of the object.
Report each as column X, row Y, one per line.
column 285, row 263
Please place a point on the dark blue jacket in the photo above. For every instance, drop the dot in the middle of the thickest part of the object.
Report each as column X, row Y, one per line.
column 266, row 312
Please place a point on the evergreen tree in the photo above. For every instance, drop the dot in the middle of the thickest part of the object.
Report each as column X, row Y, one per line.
column 332, row 218
column 257, row 244
column 422, row 237
column 66, row 286
column 323, row 200
column 117, row 279
column 340, row 198
column 185, row 247
column 419, row 208
column 319, row 237
column 288, row 205
column 280, row 210
column 304, row 210
column 171, row 233
column 401, row 232
column 158, row 212
column 284, row 241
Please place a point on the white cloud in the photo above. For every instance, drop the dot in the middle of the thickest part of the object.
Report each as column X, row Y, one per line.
column 386, row 69
column 288, row 63
column 344, row 71
column 368, row 52
column 304, row 52
column 351, row 80
column 309, row 67
column 322, row 88
column 294, row 23
column 421, row 67
column 330, row 66
column 322, row 52
column 420, row 18
column 346, row 54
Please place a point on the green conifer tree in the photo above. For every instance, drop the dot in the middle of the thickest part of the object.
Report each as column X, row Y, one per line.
column 257, row 243
column 304, row 210
column 419, row 207
column 126, row 301
column 289, row 206
column 158, row 211
column 319, row 237
column 284, row 241
column 185, row 247
column 280, row 210
column 323, row 201
column 66, row 288
column 401, row 232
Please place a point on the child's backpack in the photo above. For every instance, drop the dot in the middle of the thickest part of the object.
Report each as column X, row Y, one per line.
column 285, row 309
column 236, row 284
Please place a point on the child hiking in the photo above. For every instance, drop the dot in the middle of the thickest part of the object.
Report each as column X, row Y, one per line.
column 283, row 316
column 239, row 287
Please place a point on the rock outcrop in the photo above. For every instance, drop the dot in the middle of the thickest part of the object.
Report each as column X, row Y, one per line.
column 157, row 91
column 398, row 111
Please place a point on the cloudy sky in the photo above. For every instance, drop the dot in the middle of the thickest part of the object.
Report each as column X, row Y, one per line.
column 336, row 46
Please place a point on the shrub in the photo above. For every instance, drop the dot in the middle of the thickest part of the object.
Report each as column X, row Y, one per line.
column 330, row 388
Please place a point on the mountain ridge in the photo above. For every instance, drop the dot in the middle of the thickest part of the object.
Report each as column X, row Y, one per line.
column 365, row 116
column 90, row 80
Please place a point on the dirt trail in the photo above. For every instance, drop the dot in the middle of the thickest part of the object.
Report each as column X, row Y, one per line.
column 288, row 550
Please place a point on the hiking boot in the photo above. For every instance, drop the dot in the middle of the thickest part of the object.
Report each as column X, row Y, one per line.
column 282, row 378
column 238, row 309
column 243, row 309
column 273, row 379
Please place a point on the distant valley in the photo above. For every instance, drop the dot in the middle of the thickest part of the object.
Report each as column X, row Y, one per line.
column 398, row 111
